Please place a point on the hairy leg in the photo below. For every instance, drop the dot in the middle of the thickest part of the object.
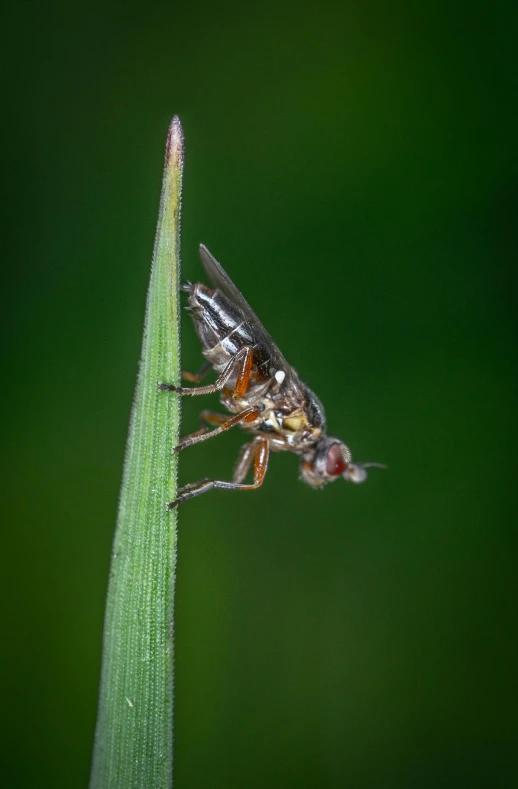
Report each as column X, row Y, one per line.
column 248, row 415
column 240, row 363
column 260, row 456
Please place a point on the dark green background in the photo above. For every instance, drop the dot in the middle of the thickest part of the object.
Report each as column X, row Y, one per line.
column 355, row 168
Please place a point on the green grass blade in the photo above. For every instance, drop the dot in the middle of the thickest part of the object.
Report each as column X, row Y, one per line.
column 134, row 734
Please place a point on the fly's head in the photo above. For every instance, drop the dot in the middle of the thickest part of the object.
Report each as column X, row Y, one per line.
column 330, row 459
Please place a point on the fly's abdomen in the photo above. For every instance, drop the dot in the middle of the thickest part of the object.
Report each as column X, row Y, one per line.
column 223, row 330
column 213, row 315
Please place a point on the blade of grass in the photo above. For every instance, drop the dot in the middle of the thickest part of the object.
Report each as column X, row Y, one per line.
column 134, row 733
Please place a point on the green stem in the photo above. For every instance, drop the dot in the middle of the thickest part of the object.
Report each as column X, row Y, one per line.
column 134, row 734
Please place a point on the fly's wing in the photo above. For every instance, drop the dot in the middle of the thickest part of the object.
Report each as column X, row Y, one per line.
column 220, row 280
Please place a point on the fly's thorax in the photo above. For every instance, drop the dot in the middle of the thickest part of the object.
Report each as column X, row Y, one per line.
column 314, row 410
column 293, row 428
column 300, row 414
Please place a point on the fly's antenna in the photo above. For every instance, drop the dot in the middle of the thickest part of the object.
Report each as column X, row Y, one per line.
column 355, row 472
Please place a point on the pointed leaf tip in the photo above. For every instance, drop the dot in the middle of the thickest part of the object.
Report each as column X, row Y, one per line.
column 174, row 147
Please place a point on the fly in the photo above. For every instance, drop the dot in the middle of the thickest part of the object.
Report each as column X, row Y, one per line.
column 260, row 389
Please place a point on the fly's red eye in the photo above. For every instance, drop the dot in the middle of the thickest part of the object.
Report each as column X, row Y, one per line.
column 335, row 461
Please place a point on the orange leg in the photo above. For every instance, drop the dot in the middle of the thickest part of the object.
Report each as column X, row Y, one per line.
column 260, row 455
column 243, row 377
column 248, row 415
column 212, row 417
column 240, row 363
column 207, row 418
column 244, row 462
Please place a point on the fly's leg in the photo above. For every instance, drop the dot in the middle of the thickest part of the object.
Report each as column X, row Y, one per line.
column 244, row 369
column 260, row 455
column 248, row 415
column 207, row 418
column 195, row 378
column 242, row 362
column 244, row 461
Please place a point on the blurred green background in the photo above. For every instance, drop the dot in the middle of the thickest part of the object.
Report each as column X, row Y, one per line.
column 355, row 169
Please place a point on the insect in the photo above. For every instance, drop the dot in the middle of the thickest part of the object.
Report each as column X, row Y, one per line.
column 261, row 390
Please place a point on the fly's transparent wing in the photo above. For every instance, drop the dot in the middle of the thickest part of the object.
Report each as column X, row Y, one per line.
column 220, row 280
